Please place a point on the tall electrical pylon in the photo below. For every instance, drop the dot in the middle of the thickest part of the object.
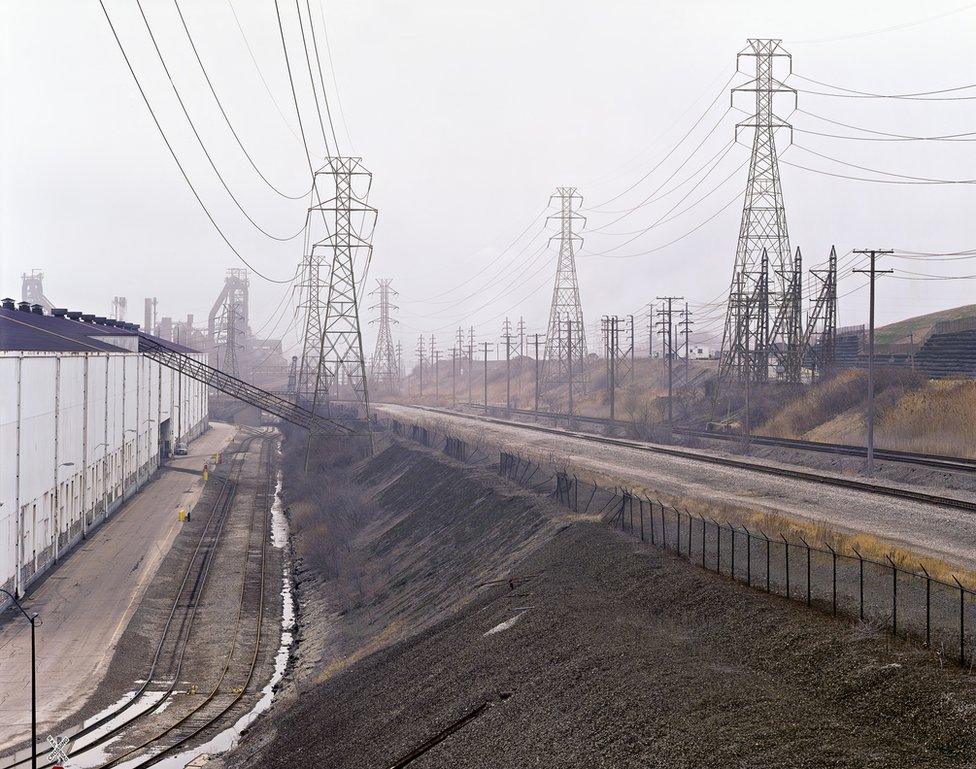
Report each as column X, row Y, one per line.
column 749, row 340
column 349, row 223
column 566, row 338
column 384, row 367
column 312, row 312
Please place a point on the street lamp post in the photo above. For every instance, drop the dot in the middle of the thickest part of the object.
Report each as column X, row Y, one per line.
column 30, row 618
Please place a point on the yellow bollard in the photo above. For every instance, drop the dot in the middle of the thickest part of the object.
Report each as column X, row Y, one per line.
column 206, row 474
column 182, row 514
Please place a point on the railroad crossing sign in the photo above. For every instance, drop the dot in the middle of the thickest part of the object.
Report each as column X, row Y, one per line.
column 58, row 754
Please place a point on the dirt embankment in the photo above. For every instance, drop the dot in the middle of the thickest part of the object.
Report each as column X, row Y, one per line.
column 590, row 651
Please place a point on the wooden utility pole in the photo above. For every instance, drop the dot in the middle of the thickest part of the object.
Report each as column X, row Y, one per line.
column 537, row 374
column 873, row 272
column 420, row 366
column 486, row 376
column 668, row 334
column 507, row 335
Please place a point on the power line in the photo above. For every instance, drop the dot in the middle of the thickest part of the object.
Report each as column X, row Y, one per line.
column 223, row 112
column 196, row 134
column 176, row 159
column 855, row 93
column 909, row 137
column 922, row 179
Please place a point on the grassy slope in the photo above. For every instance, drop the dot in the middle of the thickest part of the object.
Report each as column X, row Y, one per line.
column 920, row 324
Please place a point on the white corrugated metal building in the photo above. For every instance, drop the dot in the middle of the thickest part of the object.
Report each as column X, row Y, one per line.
column 85, row 420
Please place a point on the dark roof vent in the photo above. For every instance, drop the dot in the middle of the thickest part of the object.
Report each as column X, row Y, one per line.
column 74, row 314
column 59, row 312
column 111, row 322
column 9, row 304
column 100, row 319
column 37, row 309
column 88, row 317
column 23, row 306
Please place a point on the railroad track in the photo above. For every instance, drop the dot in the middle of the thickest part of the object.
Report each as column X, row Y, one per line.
column 936, row 461
column 239, row 662
column 751, row 465
column 170, row 652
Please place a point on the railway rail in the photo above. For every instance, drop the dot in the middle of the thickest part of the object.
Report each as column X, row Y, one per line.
column 937, row 461
column 170, row 652
column 750, row 465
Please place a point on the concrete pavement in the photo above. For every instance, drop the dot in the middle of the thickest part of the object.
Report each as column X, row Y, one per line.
column 85, row 603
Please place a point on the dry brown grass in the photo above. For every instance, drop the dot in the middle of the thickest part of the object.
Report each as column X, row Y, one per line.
column 941, row 419
column 822, row 535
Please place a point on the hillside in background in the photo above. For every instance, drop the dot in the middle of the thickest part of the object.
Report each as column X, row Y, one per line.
column 920, row 325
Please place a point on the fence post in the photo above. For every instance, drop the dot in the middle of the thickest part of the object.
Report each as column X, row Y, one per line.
column 833, row 590
column 928, row 606
column 748, row 556
column 962, row 621
column 678, row 541
column 732, row 534
column 592, row 494
column 664, row 529
column 651, row 512
column 704, row 564
column 809, row 597
column 787, row 544
column 860, row 561
column 576, row 492
column 631, row 497
column 767, row 557
column 894, row 596
column 640, row 502
column 718, row 547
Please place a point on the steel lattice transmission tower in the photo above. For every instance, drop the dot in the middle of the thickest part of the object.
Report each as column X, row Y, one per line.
column 312, row 312
column 349, row 221
column 566, row 338
column 764, row 270
column 384, row 367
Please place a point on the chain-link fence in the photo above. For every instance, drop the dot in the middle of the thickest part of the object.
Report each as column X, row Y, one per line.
column 887, row 594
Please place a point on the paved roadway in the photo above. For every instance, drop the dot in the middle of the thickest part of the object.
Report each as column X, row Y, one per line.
column 941, row 532
column 86, row 602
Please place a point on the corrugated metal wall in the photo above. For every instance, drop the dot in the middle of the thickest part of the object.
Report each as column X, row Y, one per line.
column 79, row 433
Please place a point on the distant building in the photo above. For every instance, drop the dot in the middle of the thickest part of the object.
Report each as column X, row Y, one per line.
column 85, row 419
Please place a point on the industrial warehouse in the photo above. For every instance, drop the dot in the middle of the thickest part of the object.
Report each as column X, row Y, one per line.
column 85, row 420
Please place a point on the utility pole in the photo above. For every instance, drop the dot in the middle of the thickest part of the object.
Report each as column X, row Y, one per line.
column 686, row 324
column 610, row 349
column 507, row 336
column 537, row 374
column 454, row 357
column 420, row 366
column 873, row 272
column 668, row 334
column 521, row 349
column 650, row 329
column 486, row 376
column 470, row 360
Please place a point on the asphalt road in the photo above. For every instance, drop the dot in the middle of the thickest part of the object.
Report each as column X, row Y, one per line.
column 87, row 601
column 923, row 528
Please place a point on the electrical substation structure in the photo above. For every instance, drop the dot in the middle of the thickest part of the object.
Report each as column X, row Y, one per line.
column 764, row 274
column 565, row 351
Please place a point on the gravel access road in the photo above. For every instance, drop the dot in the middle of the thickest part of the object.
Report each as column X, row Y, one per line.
column 934, row 530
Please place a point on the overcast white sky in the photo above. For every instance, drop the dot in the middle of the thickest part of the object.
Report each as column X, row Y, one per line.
column 469, row 114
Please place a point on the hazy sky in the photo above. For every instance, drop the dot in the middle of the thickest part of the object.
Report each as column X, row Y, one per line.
column 469, row 114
